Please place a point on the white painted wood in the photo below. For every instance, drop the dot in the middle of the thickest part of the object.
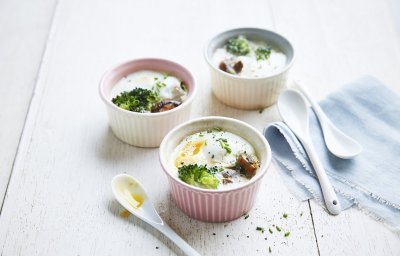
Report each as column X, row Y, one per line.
column 339, row 42
column 24, row 27
column 59, row 200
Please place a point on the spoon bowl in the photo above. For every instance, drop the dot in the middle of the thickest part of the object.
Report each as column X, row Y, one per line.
column 131, row 195
column 337, row 142
column 294, row 112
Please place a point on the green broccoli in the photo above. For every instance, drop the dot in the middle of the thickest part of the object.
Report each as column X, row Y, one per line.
column 263, row 53
column 199, row 176
column 138, row 100
column 238, row 46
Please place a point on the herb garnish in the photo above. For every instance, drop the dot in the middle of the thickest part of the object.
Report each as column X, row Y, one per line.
column 287, row 234
column 270, row 230
column 160, row 84
column 246, row 216
column 285, row 215
column 224, row 144
column 263, row 53
column 278, row 228
column 214, row 129
column 260, row 229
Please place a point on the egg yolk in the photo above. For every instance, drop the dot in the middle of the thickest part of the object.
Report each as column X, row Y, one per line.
column 187, row 153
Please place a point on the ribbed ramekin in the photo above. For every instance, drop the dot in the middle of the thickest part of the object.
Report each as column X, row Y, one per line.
column 145, row 129
column 248, row 93
column 214, row 205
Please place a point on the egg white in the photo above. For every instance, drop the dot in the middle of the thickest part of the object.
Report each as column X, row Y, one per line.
column 203, row 148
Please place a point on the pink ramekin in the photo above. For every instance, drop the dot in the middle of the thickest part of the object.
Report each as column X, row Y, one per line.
column 214, row 205
column 145, row 129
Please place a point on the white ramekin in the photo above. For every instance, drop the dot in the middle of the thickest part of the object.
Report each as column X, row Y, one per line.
column 145, row 129
column 249, row 93
column 214, row 205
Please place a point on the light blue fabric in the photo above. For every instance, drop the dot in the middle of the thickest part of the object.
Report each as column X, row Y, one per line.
column 368, row 112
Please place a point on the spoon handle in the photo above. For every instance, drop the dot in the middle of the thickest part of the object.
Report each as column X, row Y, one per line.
column 317, row 109
column 170, row 233
column 331, row 201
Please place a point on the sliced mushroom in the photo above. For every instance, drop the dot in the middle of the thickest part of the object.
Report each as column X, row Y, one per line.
column 247, row 165
column 223, row 66
column 231, row 67
column 164, row 106
column 226, row 181
column 238, row 66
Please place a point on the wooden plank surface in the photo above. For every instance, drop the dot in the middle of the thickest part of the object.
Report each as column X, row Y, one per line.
column 68, row 155
column 24, row 27
column 59, row 200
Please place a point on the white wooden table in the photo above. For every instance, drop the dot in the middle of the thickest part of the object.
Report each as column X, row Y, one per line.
column 57, row 154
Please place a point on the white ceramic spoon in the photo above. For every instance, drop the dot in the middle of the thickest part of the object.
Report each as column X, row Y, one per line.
column 294, row 111
column 336, row 141
column 131, row 195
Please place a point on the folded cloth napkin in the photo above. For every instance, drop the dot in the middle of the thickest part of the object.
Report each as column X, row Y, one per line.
column 368, row 112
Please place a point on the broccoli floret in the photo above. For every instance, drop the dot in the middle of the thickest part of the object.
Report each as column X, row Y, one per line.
column 199, row 176
column 263, row 53
column 238, row 46
column 138, row 100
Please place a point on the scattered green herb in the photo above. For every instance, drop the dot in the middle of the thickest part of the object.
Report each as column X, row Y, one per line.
column 270, row 230
column 261, row 110
column 160, row 84
column 278, row 228
column 285, row 215
column 199, row 176
column 269, row 249
column 246, row 216
column 138, row 100
column 224, row 144
column 263, row 53
column 238, row 46
column 287, row 234
column 260, row 229
column 301, row 214
column 214, row 129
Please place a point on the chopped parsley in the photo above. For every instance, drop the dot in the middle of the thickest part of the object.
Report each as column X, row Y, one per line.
column 214, row 129
column 224, row 144
column 160, row 84
column 260, row 229
column 285, row 215
column 263, row 53
column 287, row 234
column 278, row 228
